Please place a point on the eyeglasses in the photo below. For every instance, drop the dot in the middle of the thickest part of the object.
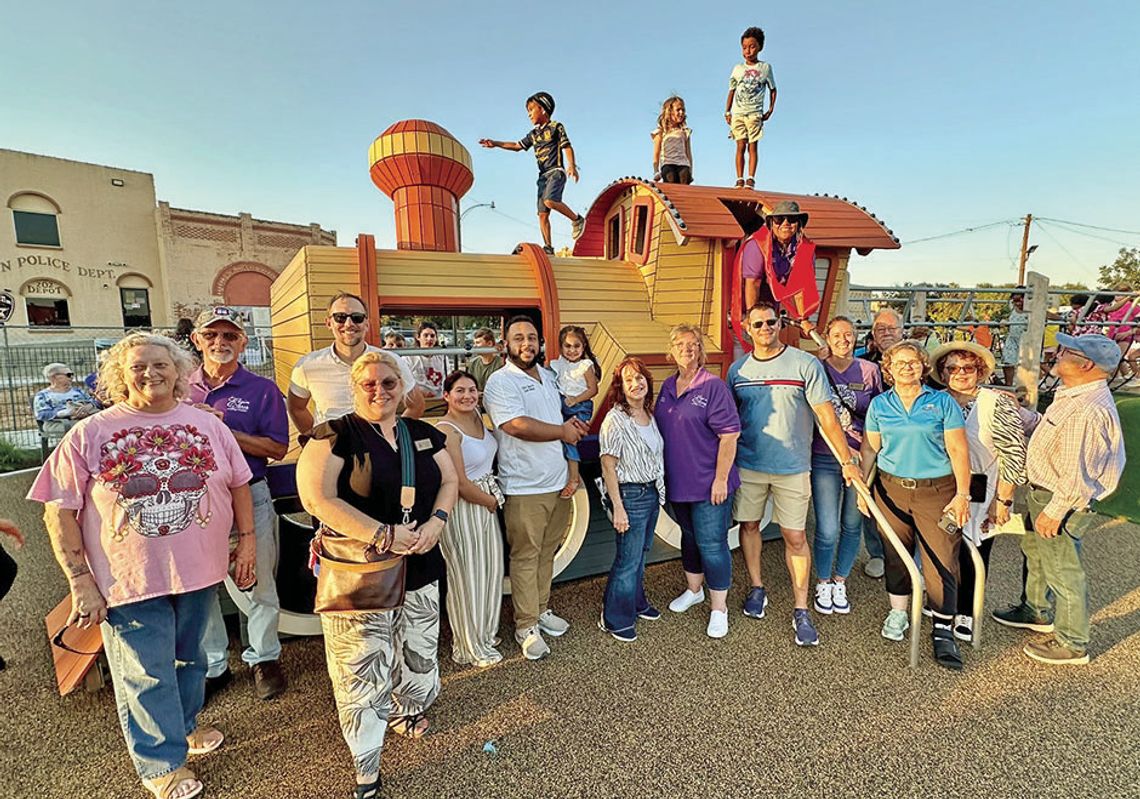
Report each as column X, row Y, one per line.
column 57, row 641
column 960, row 370
column 906, row 364
column 227, row 335
column 1063, row 351
column 760, row 323
column 340, row 317
column 65, row 374
column 389, row 384
column 779, row 220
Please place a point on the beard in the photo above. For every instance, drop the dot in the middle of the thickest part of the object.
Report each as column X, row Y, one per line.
column 521, row 361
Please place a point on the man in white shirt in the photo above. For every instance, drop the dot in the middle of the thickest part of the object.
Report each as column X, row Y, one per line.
column 523, row 401
column 322, row 376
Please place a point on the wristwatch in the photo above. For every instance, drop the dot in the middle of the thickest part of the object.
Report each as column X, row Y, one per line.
column 440, row 514
column 1007, row 502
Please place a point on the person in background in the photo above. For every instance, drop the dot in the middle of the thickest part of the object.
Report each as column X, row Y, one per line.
column 394, row 341
column 59, row 406
column 1075, row 457
column 672, row 145
column 633, row 468
column 472, row 542
column 1123, row 310
column 698, row 421
column 253, row 408
column 838, row 522
column 428, row 370
column 1016, row 324
column 7, row 564
column 139, row 501
column 996, row 440
column 482, row 366
column 578, row 375
column 917, row 437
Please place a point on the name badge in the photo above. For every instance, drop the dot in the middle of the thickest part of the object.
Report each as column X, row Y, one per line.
column 423, row 444
column 857, row 386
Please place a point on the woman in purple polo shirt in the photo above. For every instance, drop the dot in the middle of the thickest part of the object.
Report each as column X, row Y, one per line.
column 698, row 421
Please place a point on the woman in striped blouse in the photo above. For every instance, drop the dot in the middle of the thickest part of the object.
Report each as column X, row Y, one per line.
column 996, row 437
column 633, row 468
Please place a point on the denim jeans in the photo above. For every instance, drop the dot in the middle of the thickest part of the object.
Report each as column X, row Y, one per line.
column 1055, row 565
column 625, row 589
column 265, row 608
column 704, row 540
column 582, row 411
column 837, row 519
column 158, row 669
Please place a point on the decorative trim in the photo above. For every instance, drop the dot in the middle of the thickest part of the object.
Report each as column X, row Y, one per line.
column 226, row 273
column 547, row 293
column 369, row 284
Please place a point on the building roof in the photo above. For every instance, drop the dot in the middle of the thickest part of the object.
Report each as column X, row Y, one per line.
column 714, row 212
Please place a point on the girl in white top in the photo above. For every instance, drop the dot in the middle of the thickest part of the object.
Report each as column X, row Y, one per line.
column 472, row 543
column 672, row 146
column 578, row 373
column 428, row 370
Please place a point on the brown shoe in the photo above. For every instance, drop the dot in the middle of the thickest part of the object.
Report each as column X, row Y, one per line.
column 1054, row 653
column 268, row 679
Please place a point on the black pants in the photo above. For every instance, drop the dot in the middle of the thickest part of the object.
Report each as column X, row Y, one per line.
column 914, row 514
column 970, row 577
column 674, row 173
column 7, row 572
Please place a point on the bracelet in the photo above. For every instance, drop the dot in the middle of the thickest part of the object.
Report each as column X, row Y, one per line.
column 967, row 496
column 243, row 533
column 78, row 571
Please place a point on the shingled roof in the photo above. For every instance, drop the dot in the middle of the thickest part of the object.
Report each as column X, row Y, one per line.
column 715, row 212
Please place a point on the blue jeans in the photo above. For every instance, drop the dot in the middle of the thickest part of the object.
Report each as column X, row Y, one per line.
column 158, row 669
column 1056, row 584
column 266, row 607
column 582, row 411
column 837, row 519
column 625, row 589
column 704, row 540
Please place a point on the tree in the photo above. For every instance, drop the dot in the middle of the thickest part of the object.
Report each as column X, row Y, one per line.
column 1125, row 269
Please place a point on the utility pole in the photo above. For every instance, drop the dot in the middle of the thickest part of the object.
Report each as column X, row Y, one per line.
column 1024, row 251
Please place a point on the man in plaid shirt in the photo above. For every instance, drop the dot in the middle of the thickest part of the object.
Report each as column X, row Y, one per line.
column 1076, row 456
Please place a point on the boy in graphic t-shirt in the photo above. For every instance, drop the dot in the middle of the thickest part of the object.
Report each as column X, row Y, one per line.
column 555, row 158
column 744, row 110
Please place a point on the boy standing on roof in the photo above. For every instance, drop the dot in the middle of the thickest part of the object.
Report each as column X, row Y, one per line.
column 744, row 109
column 549, row 140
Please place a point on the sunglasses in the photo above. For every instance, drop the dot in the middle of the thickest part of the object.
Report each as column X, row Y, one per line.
column 340, row 317
column 961, row 370
column 227, row 335
column 389, row 384
column 761, row 323
column 65, row 374
column 779, row 220
column 58, row 642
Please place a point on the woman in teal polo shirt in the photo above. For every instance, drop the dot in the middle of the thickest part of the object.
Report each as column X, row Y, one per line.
column 918, row 437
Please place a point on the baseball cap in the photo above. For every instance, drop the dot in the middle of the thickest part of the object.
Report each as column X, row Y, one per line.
column 219, row 313
column 1099, row 349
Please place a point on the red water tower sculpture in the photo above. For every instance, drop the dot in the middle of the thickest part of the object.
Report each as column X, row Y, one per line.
column 425, row 171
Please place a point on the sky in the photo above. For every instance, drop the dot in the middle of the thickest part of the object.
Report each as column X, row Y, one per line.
column 936, row 117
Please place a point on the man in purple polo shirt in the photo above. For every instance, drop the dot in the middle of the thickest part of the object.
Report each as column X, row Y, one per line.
column 254, row 410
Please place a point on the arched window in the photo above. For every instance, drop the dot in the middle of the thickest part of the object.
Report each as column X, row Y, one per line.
column 134, row 295
column 46, row 302
column 35, row 219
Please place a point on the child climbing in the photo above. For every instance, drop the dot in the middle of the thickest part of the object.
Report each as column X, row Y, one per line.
column 744, row 110
column 578, row 372
column 672, row 150
column 550, row 143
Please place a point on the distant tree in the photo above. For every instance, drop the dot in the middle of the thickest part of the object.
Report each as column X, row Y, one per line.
column 1125, row 269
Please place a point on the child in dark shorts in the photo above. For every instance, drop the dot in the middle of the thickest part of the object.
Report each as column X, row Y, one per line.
column 550, row 142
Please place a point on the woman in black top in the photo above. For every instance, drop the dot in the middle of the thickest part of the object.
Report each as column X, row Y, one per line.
column 350, row 477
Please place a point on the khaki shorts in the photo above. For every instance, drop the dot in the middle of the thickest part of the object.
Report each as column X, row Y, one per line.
column 747, row 126
column 791, row 495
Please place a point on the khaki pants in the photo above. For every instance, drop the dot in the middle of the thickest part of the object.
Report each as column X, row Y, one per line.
column 536, row 525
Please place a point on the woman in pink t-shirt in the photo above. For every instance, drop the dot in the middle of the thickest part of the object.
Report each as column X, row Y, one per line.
column 139, row 502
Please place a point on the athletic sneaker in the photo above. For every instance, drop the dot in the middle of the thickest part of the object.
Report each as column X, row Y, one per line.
column 823, row 598
column 896, row 625
column 548, row 249
column 577, row 226
column 552, row 625
column 625, row 636
column 650, row 614
column 755, row 603
column 686, row 600
column 1054, row 653
column 964, row 628
column 718, row 624
column 839, row 602
column 874, row 568
column 1023, row 617
column 805, row 630
column 533, row 647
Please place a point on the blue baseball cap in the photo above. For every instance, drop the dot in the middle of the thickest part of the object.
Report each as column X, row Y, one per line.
column 1099, row 349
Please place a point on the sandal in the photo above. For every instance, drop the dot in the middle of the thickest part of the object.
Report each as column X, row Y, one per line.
column 414, row 725
column 946, row 652
column 169, row 785
column 204, row 740
column 367, row 790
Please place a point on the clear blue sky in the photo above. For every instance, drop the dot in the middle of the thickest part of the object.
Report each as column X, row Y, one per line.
column 935, row 118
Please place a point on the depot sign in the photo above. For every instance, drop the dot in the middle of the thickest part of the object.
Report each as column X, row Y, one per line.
column 59, row 264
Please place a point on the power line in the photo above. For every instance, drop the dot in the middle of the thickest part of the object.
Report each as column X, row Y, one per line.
column 1093, row 227
column 1077, row 261
column 963, row 231
column 1065, row 226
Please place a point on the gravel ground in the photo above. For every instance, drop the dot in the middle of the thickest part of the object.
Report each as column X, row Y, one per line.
column 673, row 714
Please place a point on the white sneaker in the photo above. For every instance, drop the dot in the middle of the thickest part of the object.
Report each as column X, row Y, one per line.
column 718, row 624
column 823, row 598
column 964, row 628
column 686, row 600
column 552, row 625
column 533, row 647
column 839, row 601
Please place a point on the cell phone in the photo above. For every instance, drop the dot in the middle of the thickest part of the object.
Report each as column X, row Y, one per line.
column 949, row 524
column 978, row 485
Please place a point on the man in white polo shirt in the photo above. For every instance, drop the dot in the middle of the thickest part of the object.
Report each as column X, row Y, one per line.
column 322, row 376
column 523, row 401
